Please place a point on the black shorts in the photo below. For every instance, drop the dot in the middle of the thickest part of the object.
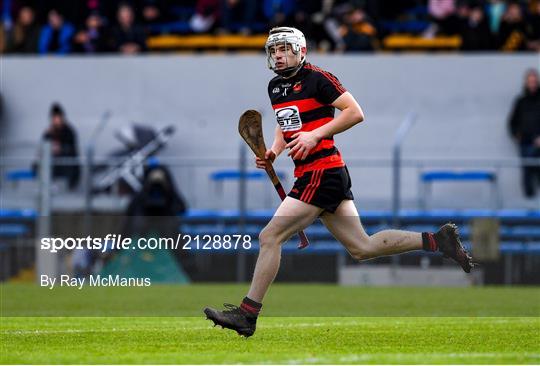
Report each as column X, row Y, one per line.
column 325, row 188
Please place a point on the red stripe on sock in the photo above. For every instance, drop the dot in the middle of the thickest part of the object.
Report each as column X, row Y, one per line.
column 249, row 309
column 432, row 243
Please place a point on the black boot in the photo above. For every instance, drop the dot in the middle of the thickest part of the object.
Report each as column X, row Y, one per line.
column 233, row 318
column 447, row 239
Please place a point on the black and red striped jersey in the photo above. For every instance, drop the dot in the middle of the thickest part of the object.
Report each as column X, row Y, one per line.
column 304, row 103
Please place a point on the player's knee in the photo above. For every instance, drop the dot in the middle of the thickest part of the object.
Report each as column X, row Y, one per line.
column 268, row 238
column 361, row 251
column 359, row 255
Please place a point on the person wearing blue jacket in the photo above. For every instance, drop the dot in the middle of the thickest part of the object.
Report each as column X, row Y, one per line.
column 56, row 35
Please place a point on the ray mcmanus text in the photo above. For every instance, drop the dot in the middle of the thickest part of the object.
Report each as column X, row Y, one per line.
column 93, row 281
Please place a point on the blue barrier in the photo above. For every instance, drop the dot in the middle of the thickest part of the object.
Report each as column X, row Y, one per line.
column 234, row 174
column 12, row 230
column 21, row 174
column 18, row 214
column 458, row 176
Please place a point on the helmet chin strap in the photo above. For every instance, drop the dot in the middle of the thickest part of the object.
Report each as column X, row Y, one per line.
column 289, row 72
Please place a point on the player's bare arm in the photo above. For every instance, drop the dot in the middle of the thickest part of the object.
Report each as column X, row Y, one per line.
column 277, row 148
column 351, row 114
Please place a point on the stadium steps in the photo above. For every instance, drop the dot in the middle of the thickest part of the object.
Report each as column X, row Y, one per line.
column 207, row 42
column 401, row 42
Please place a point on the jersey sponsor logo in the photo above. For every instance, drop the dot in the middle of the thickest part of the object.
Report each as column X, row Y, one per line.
column 289, row 118
column 285, row 88
column 297, row 88
column 275, row 90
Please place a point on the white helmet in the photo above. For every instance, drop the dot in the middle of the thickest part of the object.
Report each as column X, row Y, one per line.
column 288, row 36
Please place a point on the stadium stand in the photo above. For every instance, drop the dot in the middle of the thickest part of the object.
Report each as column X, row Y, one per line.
column 408, row 26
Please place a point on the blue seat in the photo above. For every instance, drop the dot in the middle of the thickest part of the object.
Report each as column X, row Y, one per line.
column 429, row 177
column 20, row 174
column 234, row 174
column 221, row 176
column 458, row 176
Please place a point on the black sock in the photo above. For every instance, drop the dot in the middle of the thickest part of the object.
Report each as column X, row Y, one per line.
column 251, row 307
column 428, row 242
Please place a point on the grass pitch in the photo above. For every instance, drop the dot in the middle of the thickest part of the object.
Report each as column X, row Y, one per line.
column 510, row 334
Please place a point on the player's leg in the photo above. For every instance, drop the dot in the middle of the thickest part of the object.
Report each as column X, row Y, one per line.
column 291, row 217
column 346, row 227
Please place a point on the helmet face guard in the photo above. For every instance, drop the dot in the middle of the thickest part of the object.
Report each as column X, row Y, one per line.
column 290, row 38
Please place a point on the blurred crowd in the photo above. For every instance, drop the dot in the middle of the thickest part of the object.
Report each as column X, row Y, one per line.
column 488, row 25
column 97, row 26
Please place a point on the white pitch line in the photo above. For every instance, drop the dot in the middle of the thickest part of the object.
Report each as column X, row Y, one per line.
column 209, row 326
column 404, row 357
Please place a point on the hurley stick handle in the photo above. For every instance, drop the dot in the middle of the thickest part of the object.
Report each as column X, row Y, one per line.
column 250, row 128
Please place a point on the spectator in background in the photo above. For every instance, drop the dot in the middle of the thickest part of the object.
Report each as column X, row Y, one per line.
column 207, row 13
column 442, row 13
column 495, row 11
column 153, row 11
column 91, row 38
column 357, row 31
column 56, row 35
column 64, row 145
column 353, row 31
column 278, row 12
column 524, row 126
column 242, row 12
column 513, row 30
column 128, row 37
column 24, row 36
column 475, row 34
column 310, row 17
column 159, row 195
column 534, row 28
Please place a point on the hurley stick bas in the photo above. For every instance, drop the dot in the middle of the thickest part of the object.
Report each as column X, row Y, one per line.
column 250, row 128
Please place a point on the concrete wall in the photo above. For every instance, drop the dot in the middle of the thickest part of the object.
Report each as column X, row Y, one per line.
column 462, row 102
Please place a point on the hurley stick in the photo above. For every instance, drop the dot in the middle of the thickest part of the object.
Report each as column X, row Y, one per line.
column 250, row 128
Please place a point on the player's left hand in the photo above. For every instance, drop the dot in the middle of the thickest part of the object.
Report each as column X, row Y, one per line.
column 302, row 144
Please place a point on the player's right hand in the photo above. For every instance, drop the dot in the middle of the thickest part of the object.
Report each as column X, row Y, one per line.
column 269, row 157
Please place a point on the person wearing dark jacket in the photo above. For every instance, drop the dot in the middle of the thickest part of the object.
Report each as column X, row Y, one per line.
column 475, row 32
column 524, row 126
column 128, row 37
column 24, row 36
column 513, row 29
column 91, row 38
column 64, row 145
column 156, row 209
column 158, row 196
